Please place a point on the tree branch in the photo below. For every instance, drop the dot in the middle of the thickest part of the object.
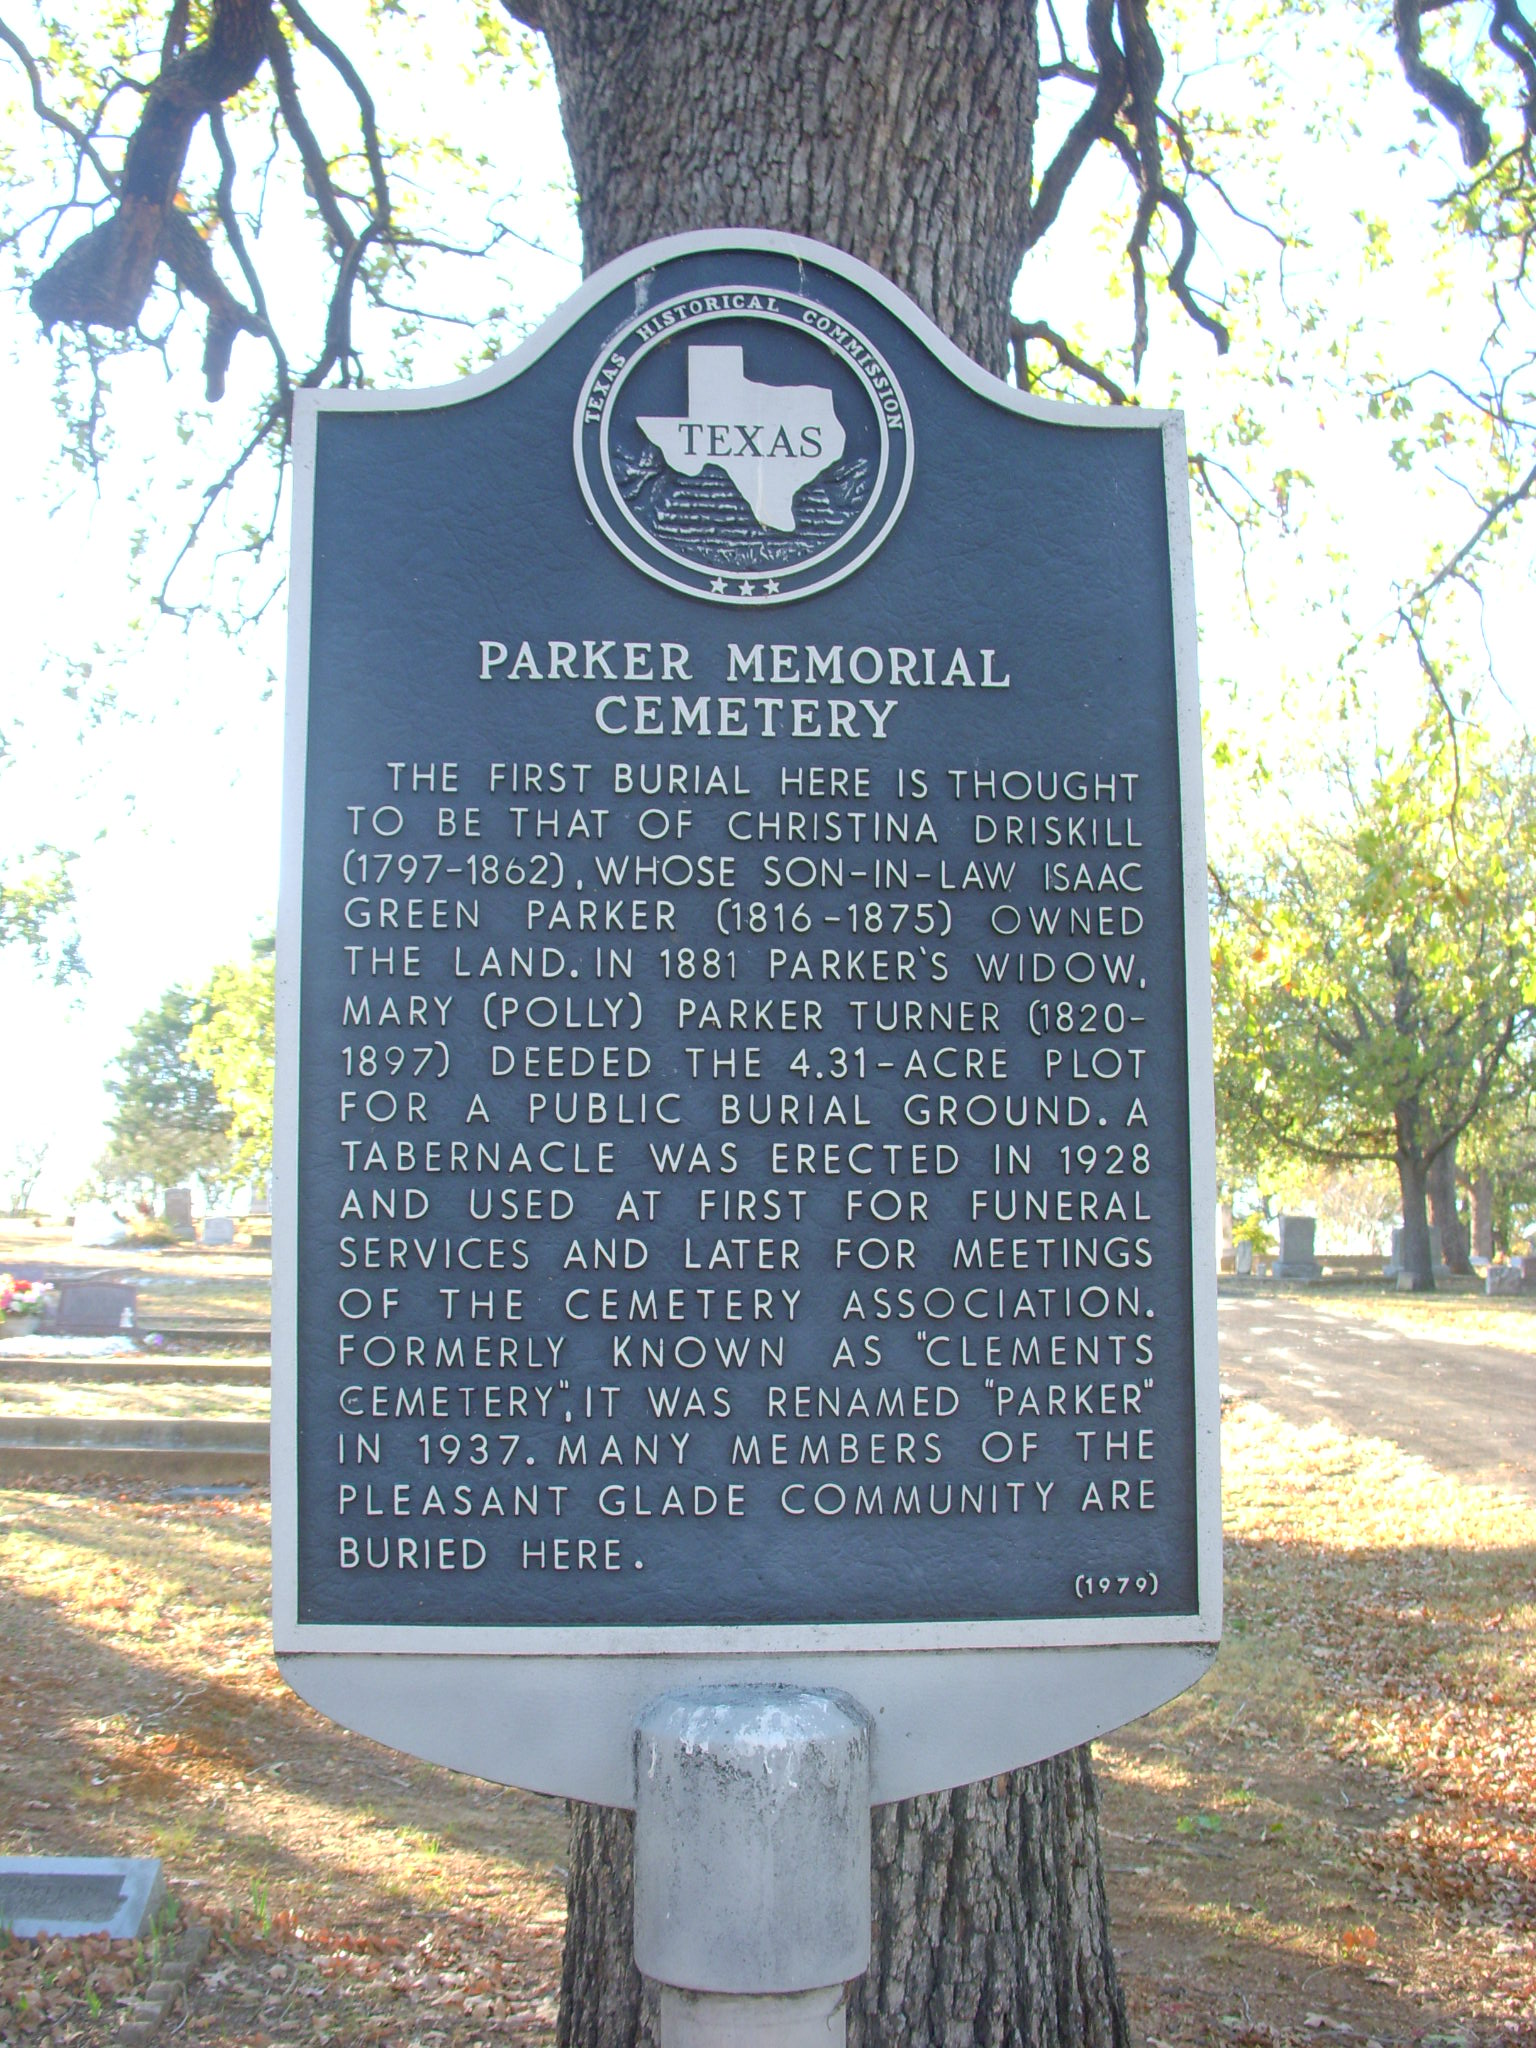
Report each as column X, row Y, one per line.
column 1092, row 125
column 44, row 112
column 365, row 107
column 1448, row 99
column 1022, row 332
column 104, row 278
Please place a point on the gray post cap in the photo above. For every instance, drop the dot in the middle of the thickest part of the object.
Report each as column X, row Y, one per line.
column 752, row 1839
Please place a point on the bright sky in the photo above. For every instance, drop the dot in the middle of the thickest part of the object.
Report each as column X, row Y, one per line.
column 171, row 797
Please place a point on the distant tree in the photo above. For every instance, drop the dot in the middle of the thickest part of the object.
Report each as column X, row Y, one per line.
column 169, row 1123
column 20, row 1176
column 233, row 1043
column 1497, row 1160
column 1373, row 970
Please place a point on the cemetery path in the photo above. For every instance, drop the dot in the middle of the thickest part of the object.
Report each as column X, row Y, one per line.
column 1468, row 1409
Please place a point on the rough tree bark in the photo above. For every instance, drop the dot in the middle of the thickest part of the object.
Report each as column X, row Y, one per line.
column 1482, row 1213
column 1449, row 1227
column 1417, row 1275
column 990, row 1922
column 900, row 131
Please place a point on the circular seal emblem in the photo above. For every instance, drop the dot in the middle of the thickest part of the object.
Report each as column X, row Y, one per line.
column 743, row 445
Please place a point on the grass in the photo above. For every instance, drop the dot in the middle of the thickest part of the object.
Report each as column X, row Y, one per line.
column 206, row 1301
column 1458, row 1309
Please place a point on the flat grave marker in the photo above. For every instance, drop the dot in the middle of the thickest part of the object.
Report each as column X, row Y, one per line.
column 76, row 1896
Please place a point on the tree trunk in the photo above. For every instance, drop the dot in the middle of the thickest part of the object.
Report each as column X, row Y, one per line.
column 989, row 1913
column 1417, row 1274
column 900, row 131
column 1449, row 1227
column 1482, row 1213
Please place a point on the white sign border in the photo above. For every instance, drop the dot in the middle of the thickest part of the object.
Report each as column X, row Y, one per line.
column 832, row 1645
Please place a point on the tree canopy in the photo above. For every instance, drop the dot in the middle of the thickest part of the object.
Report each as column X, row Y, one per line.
column 1375, row 965
column 240, row 166
column 233, row 1042
column 169, row 1122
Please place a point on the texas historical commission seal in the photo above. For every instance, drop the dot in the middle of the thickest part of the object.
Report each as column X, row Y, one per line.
column 744, row 445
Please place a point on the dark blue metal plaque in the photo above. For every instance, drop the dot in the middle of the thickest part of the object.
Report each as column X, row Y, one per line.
column 742, row 996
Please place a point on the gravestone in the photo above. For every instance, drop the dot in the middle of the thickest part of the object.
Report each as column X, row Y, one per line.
column 93, row 1308
column 744, row 1156
column 1296, row 1260
column 96, row 1226
column 1502, row 1278
column 178, row 1210
column 1394, row 1264
column 76, row 1896
column 218, row 1230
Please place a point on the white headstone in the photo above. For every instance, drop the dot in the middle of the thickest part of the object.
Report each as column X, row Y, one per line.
column 218, row 1230
column 97, row 1226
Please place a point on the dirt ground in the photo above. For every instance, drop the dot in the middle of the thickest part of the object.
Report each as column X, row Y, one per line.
column 1335, row 1832
column 1333, row 1837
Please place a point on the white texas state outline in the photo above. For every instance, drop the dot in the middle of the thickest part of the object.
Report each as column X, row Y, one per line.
column 769, row 439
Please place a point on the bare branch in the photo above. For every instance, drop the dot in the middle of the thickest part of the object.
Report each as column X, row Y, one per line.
column 1430, row 671
column 229, row 219
column 1091, row 126
column 317, row 171
column 348, row 71
column 1124, row 113
column 1022, row 332
column 1202, row 465
column 1505, row 503
column 270, row 419
column 44, row 112
column 186, row 255
column 1515, row 36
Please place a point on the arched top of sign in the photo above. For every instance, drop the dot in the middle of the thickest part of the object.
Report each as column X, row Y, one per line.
column 639, row 267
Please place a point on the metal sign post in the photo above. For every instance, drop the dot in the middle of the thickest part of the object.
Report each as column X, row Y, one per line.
column 744, row 1098
column 752, row 1863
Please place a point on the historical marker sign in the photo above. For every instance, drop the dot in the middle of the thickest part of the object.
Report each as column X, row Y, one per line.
column 746, row 1152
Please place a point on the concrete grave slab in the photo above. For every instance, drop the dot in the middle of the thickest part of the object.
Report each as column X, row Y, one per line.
column 73, row 1896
